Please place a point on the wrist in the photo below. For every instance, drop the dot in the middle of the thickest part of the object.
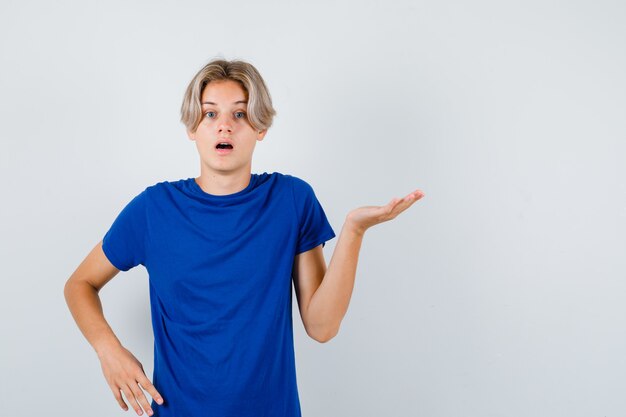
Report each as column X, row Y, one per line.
column 104, row 347
column 353, row 228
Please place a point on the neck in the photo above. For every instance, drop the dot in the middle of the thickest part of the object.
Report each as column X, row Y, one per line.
column 223, row 184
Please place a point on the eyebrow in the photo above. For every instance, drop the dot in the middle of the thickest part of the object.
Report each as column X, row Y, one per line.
column 236, row 102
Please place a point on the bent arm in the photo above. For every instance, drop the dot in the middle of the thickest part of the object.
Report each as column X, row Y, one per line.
column 329, row 303
column 324, row 295
column 81, row 295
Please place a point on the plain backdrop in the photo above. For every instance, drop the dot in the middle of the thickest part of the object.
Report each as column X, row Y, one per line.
column 501, row 293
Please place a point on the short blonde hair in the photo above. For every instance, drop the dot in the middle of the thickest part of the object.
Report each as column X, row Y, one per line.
column 260, row 110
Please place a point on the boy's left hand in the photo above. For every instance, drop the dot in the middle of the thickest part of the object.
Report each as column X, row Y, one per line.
column 363, row 218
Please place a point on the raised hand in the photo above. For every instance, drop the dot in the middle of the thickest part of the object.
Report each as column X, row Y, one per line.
column 124, row 373
column 363, row 218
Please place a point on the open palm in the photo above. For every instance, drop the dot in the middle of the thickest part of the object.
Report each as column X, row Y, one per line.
column 363, row 218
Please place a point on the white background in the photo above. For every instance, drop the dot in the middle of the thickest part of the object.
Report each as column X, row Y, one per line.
column 500, row 293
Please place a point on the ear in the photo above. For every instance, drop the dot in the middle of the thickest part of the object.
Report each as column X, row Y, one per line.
column 190, row 135
column 261, row 134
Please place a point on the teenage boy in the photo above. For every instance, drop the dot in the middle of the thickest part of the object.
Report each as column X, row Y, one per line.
column 221, row 251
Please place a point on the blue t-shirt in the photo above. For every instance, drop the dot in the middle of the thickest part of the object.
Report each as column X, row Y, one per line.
column 220, row 290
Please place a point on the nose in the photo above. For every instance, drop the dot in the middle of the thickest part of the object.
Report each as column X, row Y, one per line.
column 223, row 125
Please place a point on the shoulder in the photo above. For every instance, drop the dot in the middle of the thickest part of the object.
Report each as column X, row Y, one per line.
column 164, row 187
column 165, row 184
column 149, row 195
column 299, row 185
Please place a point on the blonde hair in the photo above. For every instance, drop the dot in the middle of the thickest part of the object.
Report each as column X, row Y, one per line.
column 259, row 109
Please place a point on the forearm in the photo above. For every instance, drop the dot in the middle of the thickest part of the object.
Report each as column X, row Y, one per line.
column 86, row 308
column 330, row 301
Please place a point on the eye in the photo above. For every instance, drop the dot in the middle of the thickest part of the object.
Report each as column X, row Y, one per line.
column 208, row 113
column 241, row 113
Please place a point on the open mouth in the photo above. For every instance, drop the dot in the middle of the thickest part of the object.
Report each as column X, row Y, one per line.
column 224, row 146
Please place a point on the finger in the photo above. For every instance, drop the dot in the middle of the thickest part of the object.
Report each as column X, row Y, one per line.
column 389, row 207
column 130, row 397
column 147, row 385
column 118, row 396
column 415, row 195
column 408, row 201
column 141, row 397
column 400, row 205
column 405, row 201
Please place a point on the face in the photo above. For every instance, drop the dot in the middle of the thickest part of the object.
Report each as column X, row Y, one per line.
column 224, row 118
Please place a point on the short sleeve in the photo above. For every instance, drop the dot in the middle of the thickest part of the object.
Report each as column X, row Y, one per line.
column 314, row 227
column 124, row 242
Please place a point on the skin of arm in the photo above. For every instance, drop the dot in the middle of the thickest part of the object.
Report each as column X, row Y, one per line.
column 122, row 370
column 81, row 295
column 324, row 294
